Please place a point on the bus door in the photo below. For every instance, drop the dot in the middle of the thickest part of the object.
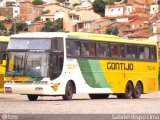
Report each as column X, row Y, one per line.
column 55, row 64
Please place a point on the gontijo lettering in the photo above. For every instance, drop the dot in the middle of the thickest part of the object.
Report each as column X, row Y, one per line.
column 119, row 66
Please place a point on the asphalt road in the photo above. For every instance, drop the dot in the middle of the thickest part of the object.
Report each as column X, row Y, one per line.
column 81, row 104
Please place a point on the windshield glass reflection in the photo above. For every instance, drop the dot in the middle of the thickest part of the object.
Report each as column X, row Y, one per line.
column 28, row 64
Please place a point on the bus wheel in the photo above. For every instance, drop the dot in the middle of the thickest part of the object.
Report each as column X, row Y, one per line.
column 68, row 92
column 137, row 90
column 32, row 97
column 128, row 91
column 98, row 96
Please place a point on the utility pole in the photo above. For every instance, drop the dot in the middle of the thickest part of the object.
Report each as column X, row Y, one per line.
column 14, row 19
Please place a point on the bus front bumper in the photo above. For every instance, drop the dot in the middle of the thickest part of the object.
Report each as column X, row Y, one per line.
column 30, row 89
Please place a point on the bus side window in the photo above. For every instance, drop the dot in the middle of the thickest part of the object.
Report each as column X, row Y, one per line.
column 129, row 52
column 146, row 51
column 99, row 48
column 103, row 50
column 114, row 50
column 152, row 53
column 121, row 51
column 92, row 50
column 73, row 48
column 134, row 52
column 77, row 48
column 69, row 48
column 141, row 53
column 85, row 49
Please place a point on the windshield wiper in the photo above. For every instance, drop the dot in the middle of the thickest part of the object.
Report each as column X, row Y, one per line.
column 12, row 73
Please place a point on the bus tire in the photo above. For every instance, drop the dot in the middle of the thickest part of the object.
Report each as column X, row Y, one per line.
column 128, row 91
column 68, row 91
column 137, row 91
column 98, row 96
column 32, row 97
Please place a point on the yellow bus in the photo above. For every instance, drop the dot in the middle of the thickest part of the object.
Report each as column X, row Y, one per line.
column 63, row 64
column 3, row 46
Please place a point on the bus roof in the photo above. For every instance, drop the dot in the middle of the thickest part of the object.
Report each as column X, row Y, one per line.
column 4, row 38
column 39, row 35
column 83, row 36
column 111, row 38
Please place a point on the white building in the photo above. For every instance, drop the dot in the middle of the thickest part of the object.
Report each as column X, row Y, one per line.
column 16, row 11
column 154, row 9
column 117, row 10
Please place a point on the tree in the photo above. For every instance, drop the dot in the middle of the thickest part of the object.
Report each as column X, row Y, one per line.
column 37, row 2
column 2, row 27
column 109, row 2
column 61, row 1
column 55, row 26
column 19, row 27
column 99, row 7
column 38, row 18
column 112, row 31
column 75, row 4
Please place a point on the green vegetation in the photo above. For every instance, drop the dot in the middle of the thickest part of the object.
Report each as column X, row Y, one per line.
column 99, row 6
column 37, row 2
column 112, row 31
column 61, row 1
column 2, row 27
column 38, row 18
column 109, row 2
column 75, row 4
column 54, row 26
column 19, row 27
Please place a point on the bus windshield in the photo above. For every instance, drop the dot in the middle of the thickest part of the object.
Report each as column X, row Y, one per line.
column 27, row 64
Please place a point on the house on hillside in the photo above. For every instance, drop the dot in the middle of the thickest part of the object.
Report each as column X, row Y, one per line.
column 72, row 18
column 28, row 11
column 117, row 10
column 10, row 12
column 102, row 24
column 54, row 11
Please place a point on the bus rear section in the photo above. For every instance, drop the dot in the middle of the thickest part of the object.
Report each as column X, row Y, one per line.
column 110, row 65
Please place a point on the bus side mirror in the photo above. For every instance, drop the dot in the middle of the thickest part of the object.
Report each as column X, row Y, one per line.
column 3, row 63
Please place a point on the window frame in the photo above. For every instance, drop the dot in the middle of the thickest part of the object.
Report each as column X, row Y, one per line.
column 110, row 43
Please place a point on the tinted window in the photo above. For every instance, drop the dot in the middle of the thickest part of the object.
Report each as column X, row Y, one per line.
column 144, row 52
column 121, row 51
column 3, row 46
column 114, row 50
column 73, row 48
column 88, row 49
column 152, row 53
column 103, row 50
column 131, row 52
column 29, row 44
